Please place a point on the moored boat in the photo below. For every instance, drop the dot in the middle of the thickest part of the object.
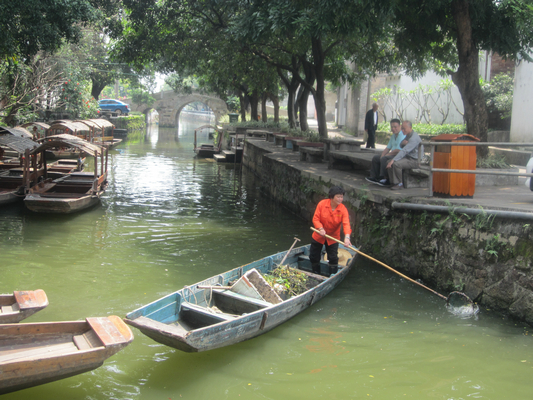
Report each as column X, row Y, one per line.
column 207, row 150
column 13, row 182
column 21, row 304
column 36, row 353
column 73, row 192
column 209, row 314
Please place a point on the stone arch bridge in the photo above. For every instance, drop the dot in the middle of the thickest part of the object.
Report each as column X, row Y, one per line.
column 169, row 105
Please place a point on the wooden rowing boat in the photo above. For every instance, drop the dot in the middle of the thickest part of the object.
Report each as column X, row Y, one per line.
column 66, row 195
column 74, row 192
column 186, row 321
column 21, row 304
column 37, row 353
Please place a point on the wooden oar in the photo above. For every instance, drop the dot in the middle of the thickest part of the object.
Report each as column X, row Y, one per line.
column 384, row 265
column 296, row 240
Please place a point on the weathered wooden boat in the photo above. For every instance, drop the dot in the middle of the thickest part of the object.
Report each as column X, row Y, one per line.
column 102, row 132
column 186, row 319
column 37, row 353
column 207, row 150
column 73, row 192
column 21, row 304
column 68, row 127
column 37, row 129
column 13, row 182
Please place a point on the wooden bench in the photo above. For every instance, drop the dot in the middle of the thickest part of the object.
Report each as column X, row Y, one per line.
column 311, row 154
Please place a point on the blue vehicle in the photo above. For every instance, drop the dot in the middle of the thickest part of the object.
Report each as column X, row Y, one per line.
column 114, row 106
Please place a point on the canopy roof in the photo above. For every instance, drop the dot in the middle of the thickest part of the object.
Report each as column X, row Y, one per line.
column 17, row 143
column 40, row 124
column 16, row 131
column 65, row 140
column 104, row 123
column 74, row 126
column 88, row 122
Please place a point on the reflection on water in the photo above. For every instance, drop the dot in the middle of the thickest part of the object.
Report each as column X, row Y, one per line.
column 168, row 220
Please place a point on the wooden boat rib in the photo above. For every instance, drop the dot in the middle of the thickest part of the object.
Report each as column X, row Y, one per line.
column 37, row 353
column 21, row 304
column 186, row 321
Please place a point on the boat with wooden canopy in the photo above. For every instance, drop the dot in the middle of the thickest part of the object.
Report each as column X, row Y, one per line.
column 73, row 192
column 101, row 132
column 36, row 353
column 207, row 150
column 21, row 304
column 68, row 127
column 217, row 312
column 13, row 182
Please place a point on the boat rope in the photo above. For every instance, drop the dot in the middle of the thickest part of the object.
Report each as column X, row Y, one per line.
column 193, row 294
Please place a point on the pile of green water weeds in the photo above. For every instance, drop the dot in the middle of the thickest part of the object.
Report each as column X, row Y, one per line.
column 286, row 280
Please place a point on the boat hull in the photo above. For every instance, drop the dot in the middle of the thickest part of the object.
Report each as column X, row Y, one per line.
column 37, row 203
column 9, row 196
column 34, row 354
column 21, row 304
column 157, row 322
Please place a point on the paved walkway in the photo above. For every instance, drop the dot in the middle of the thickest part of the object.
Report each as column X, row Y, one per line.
column 509, row 198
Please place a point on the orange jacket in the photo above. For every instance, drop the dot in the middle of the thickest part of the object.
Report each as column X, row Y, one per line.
column 331, row 221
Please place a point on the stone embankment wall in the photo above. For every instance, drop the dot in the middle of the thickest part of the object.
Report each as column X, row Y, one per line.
column 489, row 259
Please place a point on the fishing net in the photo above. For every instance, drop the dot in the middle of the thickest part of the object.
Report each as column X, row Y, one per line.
column 461, row 305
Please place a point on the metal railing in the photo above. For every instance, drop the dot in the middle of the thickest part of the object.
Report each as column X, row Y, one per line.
column 433, row 144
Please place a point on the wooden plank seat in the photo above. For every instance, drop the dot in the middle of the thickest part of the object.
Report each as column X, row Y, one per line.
column 311, row 154
column 18, row 352
column 189, row 311
column 9, row 308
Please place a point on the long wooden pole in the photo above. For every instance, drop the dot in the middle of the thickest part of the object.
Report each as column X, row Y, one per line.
column 385, row 265
column 296, row 240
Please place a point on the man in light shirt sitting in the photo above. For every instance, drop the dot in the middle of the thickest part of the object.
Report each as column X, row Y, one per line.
column 407, row 157
column 378, row 170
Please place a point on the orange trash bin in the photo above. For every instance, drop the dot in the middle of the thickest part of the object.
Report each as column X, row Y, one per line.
column 449, row 184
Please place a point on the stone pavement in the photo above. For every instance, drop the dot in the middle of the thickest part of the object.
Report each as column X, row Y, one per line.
column 509, row 198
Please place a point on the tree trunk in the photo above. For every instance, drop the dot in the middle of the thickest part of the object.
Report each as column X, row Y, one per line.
column 291, row 86
column 318, row 94
column 302, row 105
column 264, row 115
column 275, row 101
column 97, row 88
column 254, row 101
column 243, row 106
column 303, row 94
column 467, row 76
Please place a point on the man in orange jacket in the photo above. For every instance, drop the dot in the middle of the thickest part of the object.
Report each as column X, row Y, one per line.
column 329, row 215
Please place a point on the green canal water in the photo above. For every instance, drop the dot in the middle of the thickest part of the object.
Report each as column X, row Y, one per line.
column 169, row 220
